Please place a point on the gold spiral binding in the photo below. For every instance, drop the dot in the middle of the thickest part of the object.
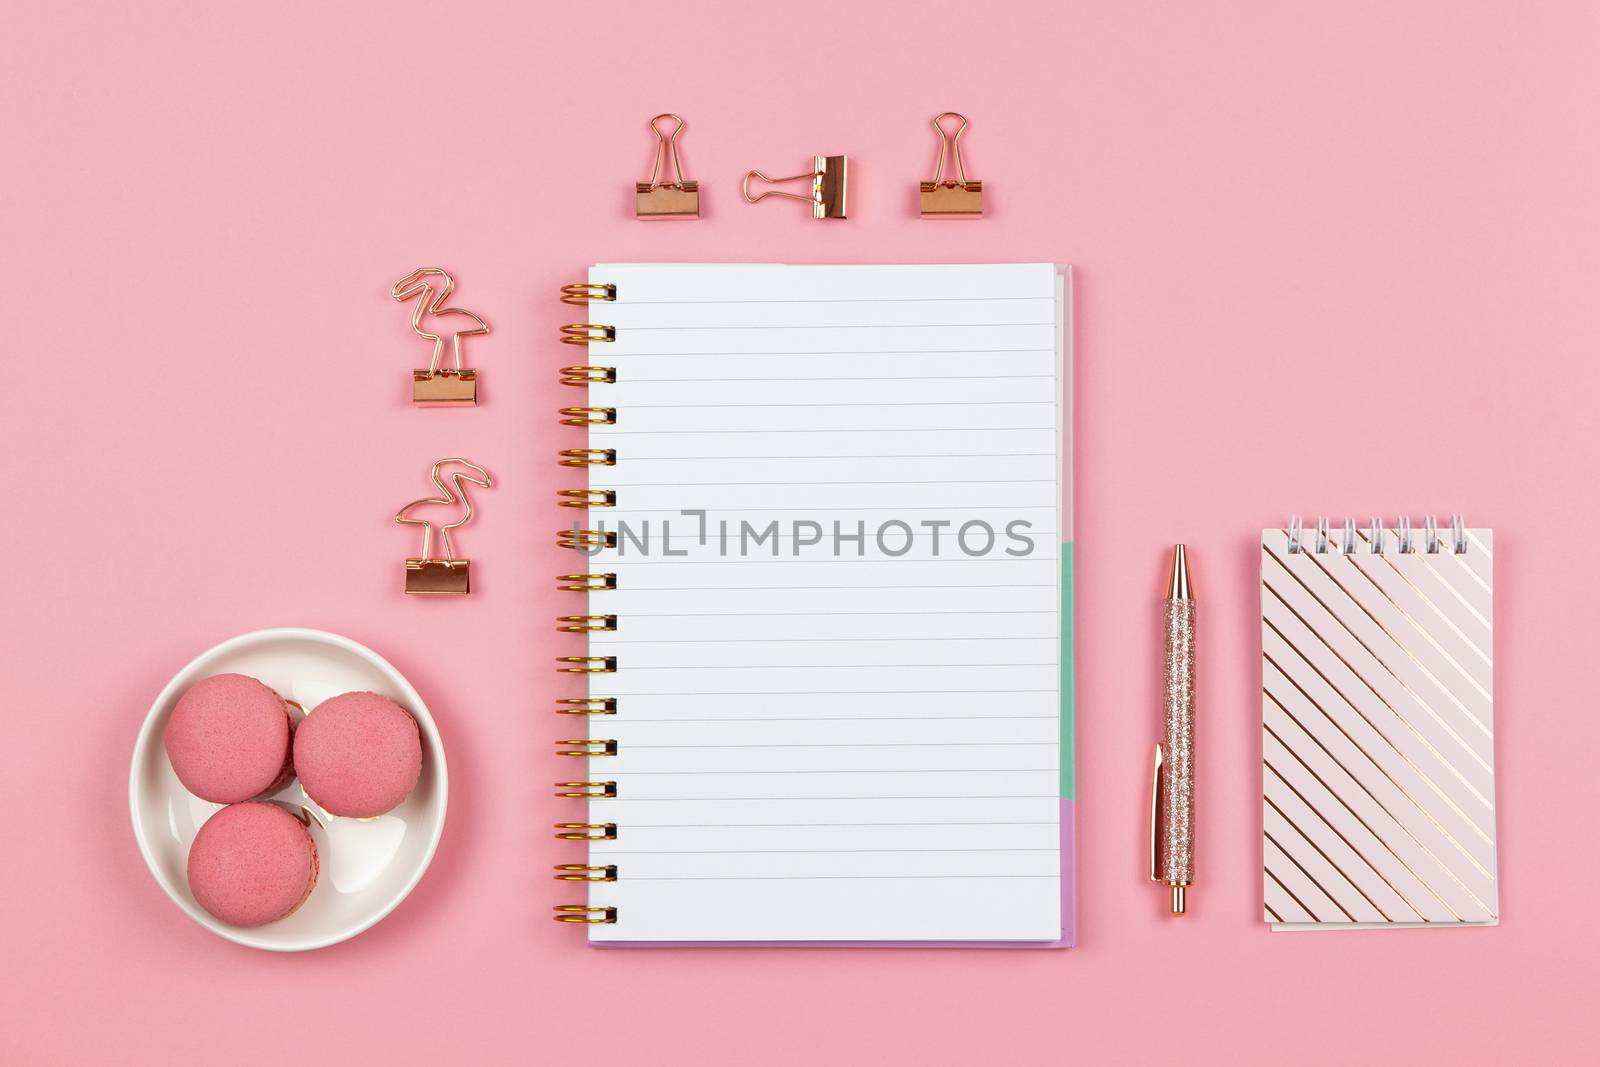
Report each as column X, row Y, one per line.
column 608, row 664
column 588, row 457
column 585, row 333
column 587, row 292
column 584, row 583
column 579, row 539
column 587, row 706
column 598, row 747
column 585, row 416
column 582, row 376
column 577, row 872
column 586, row 789
column 588, row 498
column 587, row 624
column 581, row 831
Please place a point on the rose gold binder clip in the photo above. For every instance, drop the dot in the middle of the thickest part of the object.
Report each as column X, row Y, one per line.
column 675, row 199
column 956, row 198
column 445, row 575
column 436, row 387
column 827, row 176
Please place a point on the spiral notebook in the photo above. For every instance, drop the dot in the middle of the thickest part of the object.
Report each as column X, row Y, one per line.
column 1377, row 660
column 826, row 552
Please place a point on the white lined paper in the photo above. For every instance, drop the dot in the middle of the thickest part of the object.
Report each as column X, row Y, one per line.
column 862, row 747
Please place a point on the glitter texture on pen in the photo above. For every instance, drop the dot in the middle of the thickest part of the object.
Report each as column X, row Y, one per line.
column 1176, row 859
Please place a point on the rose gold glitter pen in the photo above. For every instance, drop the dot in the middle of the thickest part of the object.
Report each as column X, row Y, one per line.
column 1172, row 785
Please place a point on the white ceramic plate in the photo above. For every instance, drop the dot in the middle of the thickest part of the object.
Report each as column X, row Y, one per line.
column 368, row 866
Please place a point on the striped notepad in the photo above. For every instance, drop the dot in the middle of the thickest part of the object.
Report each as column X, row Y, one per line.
column 1377, row 680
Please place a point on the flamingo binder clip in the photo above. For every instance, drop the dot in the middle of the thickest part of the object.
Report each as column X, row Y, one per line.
column 827, row 176
column 447, row 575
column 435, row 387
column 675, row 199
column 956, row 198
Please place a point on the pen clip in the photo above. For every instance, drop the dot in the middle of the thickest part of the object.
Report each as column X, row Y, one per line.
column 1156, row 791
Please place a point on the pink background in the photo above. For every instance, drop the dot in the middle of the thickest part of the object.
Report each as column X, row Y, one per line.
column 1339, row 260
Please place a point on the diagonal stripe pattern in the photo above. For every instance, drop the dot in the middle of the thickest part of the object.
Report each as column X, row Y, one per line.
column 1377, row 685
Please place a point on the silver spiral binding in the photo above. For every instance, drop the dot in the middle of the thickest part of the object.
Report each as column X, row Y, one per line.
column 1405, row 537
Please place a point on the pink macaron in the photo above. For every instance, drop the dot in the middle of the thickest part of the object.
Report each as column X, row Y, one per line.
column 358, row 754
column 230, row 739
column 252, row 863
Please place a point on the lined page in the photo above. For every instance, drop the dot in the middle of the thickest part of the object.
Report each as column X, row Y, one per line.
column 838, row 599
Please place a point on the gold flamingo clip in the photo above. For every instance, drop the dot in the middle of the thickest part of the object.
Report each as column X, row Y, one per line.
column 447, row 574
column 435, row 387
column 955, row 198
column 678, row 198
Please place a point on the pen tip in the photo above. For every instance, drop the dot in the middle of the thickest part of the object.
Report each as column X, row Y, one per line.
column 1178, row 584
